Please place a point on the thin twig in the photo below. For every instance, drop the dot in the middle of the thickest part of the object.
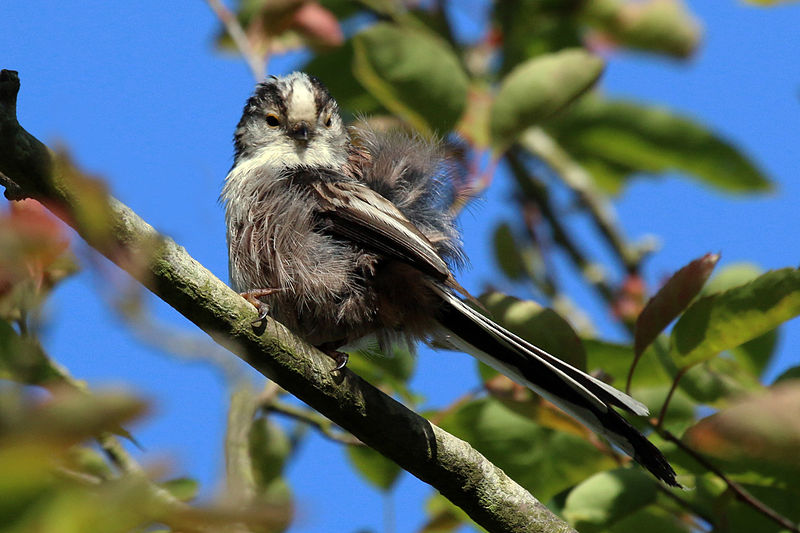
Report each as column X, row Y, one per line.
column 257, row 64
column 325, row 426
column 741, row 493
column 672, row 389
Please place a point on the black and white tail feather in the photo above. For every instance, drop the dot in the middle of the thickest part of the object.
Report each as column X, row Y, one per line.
column 587, row 399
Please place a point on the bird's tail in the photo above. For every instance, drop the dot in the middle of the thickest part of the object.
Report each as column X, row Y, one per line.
column 587, row 399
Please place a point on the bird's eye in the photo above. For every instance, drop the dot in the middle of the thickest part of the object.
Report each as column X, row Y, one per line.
column 328, row 120
column 273, row 121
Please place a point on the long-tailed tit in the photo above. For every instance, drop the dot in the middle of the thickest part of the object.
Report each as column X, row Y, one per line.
column 343, row 238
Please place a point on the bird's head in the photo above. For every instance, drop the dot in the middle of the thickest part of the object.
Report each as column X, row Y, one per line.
column 291, row 121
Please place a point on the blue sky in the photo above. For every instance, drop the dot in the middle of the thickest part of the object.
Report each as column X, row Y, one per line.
column 138, row 94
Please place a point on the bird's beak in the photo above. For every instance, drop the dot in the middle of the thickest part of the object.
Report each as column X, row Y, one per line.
column 300, row 131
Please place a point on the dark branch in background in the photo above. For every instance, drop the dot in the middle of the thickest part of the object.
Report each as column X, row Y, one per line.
column 465, row 477
column 536, row 192
column 574, row 176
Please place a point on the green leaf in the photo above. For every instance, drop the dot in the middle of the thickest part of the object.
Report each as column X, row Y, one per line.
column 541, row 326
column 388, row 371
column 373, row 466
column 532, row 28
column 754, row 355
column 660, row 26
column 183, row 488
column 269, row 448
column 413, row 73
column 351, row 96
column 539, row 88
column 728, row 319
column 789, row 374
column 542, row 460
column 507, row 254
column 650, row 139
column 615, row 360
column 607, row 497
column 731, row 276
column 651, row 520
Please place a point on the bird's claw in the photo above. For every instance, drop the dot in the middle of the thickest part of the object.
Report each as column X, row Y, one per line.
column 254, row 298
column 340, row 358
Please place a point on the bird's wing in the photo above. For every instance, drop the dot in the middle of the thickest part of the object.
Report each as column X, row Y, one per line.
column 360, row 214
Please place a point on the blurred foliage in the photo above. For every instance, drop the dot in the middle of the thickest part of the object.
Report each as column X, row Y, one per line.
column 532, row 74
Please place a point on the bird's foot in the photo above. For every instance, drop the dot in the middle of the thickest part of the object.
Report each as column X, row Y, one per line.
column 254, row 298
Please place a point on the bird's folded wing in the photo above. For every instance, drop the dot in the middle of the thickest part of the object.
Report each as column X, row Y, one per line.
column 360, row 214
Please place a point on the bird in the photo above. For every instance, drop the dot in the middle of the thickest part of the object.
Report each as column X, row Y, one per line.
column 344, row 235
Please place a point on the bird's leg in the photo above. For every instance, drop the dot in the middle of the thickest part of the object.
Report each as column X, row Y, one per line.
column 341, row 358
column 254, row 297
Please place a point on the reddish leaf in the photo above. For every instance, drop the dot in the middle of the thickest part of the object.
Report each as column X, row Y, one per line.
column 671, row 300
column 630, row 300
column 318, row 25
column 676, row 294
column 765, row 427
column 31, row 239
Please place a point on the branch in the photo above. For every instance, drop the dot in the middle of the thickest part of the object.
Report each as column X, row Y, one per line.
column 464, row 476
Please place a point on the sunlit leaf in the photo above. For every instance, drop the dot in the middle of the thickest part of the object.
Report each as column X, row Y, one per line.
column 538, row 325
column 662, row 26
column 537, row 89
column 725, row 320
column 391, row 372
column 182, row 488
column 652, row 520
column 650, row 139
column 374, row 467
column 413, row 73
column 607, row 497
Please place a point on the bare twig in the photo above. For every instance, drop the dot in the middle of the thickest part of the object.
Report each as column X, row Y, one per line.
column 671, row 392
column 257, row 64
column 307, row 416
